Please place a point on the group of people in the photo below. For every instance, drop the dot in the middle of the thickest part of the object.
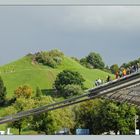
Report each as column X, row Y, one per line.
column 100, row 81
column 121, row 73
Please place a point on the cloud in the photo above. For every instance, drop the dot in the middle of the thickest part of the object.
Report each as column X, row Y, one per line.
column 103, row 18
column 87, row 18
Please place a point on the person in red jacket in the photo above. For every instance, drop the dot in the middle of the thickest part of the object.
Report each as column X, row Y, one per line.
column 117, row 75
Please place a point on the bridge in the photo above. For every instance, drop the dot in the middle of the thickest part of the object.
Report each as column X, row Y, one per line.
column 126, row 89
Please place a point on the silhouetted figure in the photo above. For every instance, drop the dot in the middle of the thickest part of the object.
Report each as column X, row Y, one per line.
column 137, row 67
column 96, row 82
column 128, row 71
column 108, row 78
column 131, row 69
column 99, row 81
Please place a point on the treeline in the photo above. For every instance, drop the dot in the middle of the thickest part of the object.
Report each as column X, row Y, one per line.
column 98, row 116
column 93, row 60
column 54, row 58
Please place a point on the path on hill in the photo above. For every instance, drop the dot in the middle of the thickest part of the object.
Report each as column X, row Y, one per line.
column 8, row 72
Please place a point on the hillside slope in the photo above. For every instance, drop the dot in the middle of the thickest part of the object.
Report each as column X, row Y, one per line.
column 25, row 71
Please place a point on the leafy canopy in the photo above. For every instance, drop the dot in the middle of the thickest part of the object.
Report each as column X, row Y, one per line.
column 67, row 77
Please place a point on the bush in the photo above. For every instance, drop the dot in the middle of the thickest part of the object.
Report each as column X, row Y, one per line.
column 95, row 60
column 67, row 77
column 23, row 91
column 72, row 90
column 52, row 58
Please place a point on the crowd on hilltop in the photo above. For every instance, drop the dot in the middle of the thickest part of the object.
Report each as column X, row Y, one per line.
column 122, row 72
column 129, row 70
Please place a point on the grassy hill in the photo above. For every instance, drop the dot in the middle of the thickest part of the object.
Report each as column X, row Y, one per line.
column 25, row 71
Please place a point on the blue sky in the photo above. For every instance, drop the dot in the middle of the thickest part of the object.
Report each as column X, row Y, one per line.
column 114, row 32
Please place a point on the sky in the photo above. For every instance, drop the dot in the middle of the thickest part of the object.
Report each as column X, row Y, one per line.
column 112, row 31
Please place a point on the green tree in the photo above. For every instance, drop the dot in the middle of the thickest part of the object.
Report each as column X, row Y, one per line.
column 72, row 90
column 95, row 60
column 38, row 93
column 105, row 116
column 114, row 68
column 86, row 116
column 67, row 77
column 2, row 92
column 21, row 104
column 49, row 122
column 23, row 91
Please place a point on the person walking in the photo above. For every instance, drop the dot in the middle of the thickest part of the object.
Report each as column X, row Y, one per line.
column 124, row 72
column 99, row 81
column 117, row 75
column 128, row 71
column 108, row 78
column 120, row 73
column 96, row 82
column 137, row 67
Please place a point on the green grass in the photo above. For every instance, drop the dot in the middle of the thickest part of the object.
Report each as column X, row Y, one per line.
column 23, row 71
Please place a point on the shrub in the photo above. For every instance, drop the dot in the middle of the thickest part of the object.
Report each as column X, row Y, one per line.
column 23, row 91
column 67, row 77
column 52, row 58
column 72, row 90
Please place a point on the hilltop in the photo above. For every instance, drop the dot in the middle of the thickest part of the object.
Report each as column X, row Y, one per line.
column 27, row 71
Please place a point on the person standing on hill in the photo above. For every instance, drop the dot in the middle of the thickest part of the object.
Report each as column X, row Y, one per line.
column 137, row 67
column 128, row 71
column 99, row 81
column 117, row 75
column 120, row 73
column 108, row 78
column 124, row 72
column 96, row 82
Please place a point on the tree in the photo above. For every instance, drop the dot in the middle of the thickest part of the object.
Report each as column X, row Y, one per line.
column 106, row 116
column 114, row 68
column 2, row 92
column 38, row 92
column 49, row 122
column 95, row 60
column 67, row 77
column 72, row 90
column 23, row 91
column 86, row 116
column 21, row 104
